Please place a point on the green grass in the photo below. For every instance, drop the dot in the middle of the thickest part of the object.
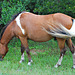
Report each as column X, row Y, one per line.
column 44, row 55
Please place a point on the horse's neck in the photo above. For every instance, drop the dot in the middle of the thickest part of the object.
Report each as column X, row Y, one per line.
column 7, row 35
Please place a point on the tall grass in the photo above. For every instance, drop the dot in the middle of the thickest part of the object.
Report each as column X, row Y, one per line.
column 45, row 55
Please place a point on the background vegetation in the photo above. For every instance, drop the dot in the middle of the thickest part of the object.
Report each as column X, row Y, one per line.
column 45, row 55
column 11, row 7
column 8, row 8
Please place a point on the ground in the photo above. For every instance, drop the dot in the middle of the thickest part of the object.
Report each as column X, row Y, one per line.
column 44, row 55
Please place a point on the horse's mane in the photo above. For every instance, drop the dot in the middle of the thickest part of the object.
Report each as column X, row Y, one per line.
column 3, row 29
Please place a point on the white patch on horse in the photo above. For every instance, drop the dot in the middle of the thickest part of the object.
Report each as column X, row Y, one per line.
column 29, row 63
column 22, row 58
column 19, row 24
column 73, row 66
column 72, row 30
column 74, row 54
column 59, row 61
column 70, row 33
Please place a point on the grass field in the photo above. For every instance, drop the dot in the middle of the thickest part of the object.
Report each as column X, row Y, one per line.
column 44, row 55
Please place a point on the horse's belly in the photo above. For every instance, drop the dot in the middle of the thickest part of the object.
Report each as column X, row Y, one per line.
column 36, row 33
column 40, row 37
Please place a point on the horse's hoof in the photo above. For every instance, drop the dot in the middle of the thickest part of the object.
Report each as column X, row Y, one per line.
column 29, row 63
column 21, row 61
column 73, row 67
column 56, row 66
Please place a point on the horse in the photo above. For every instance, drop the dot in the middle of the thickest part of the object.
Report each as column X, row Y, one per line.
column 40, row 28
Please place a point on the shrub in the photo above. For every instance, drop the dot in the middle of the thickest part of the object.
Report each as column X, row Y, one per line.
column 11, row 7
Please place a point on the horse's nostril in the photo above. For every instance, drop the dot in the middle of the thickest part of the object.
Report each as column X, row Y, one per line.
column 1, row 58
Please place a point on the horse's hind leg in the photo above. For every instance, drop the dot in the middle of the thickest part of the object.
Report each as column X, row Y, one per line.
column 61, row 43
column 29, row 56
column 72, row 49
column 25, row 45
column 22, row 53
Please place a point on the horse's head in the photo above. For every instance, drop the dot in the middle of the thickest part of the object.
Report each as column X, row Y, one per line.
column 3, row 51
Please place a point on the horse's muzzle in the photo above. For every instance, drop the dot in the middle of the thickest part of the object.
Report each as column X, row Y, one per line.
column 1, row 58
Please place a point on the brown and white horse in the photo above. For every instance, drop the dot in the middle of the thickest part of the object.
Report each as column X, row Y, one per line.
column 39, row 28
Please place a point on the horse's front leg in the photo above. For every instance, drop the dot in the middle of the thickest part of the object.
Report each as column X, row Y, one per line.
column 22, row 53
column 29, row 56
column 74, row 59
column 25, row 46
column 61, row 43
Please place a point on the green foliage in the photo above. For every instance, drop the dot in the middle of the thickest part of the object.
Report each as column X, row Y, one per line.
column 9, row 9
column 54, row 6
column 46, row 52
column 12, row 7
column 43, row 61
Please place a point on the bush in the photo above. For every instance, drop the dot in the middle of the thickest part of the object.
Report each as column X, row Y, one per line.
column 12, row 7
column 9, row 9
column 54, row 6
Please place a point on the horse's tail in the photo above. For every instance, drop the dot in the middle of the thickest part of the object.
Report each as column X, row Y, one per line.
column 61, row 31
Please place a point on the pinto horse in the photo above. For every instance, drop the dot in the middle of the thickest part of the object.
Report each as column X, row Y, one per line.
column 39, row 28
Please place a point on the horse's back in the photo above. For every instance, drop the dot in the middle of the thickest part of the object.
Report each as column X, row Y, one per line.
column 32, row 24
